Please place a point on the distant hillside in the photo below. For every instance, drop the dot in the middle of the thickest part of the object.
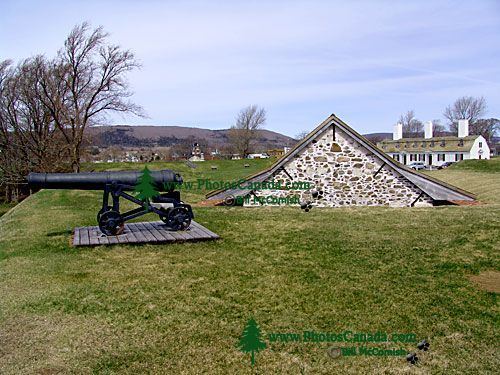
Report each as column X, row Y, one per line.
column 150, row 136
column 140, row 136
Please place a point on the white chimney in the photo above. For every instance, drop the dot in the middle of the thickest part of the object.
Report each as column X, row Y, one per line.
column 397, row 132
column 428, row 129
column 463, row 128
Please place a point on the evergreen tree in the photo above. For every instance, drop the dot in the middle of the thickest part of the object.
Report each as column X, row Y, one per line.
column 145, row 189
column 250, row 340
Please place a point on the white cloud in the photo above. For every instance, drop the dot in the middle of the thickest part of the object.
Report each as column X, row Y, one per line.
column 202, row 61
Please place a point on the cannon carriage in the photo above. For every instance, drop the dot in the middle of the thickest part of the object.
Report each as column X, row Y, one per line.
column 168, row 205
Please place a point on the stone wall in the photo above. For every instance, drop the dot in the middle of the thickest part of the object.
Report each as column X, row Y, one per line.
column 346, row 174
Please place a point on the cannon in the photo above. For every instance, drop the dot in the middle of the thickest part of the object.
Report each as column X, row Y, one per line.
column 172, row 211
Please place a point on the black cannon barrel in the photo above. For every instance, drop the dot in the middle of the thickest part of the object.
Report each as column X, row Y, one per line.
column 98, row 180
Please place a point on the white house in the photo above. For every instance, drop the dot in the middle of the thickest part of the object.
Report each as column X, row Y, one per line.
column 258, row 156
column 434, row 151
column 196, row 154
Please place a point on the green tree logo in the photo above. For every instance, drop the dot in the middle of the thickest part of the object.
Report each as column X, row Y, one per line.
column 250, row 340
column 145, row 189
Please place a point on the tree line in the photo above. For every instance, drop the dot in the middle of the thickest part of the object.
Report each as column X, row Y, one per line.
column 47, row 103
column 466, row 107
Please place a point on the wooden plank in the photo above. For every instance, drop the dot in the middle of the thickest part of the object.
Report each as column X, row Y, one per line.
column 199, row 229
column 112, row 239
column 76, row 237
column 207, row 231
column 155, row 232
column 122, row 238
column 103, row 240
column 184, row 235
column 94, row 235
column 193, row 233
column 129, row 234
column 161, row 227
column 137, row 233
column 84, row 236
column 197, row 233
column 145, row 231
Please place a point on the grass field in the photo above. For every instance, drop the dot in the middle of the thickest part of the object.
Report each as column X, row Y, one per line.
column 4, row 207
column 181, row 308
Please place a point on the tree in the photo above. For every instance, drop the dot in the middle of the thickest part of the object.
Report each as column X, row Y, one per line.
column 250, row 340
column 465, row 108
column 145, row 189
column 488, row 128
column 412, row 127
column 84, row 83
column 29, row 140
column 300, row 136
column 438, row 129
column 245, row 131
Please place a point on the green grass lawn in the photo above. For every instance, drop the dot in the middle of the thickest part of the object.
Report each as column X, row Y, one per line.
column 181, row 308
column 4, row 207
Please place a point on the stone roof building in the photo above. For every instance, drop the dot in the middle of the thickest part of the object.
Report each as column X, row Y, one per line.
column 341, row 168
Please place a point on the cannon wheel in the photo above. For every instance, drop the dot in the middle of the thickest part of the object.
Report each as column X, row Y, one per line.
column 177, row 218
column 101, row 211
column 111, row 223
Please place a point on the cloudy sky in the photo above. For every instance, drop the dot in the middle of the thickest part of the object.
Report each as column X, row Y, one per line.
column 365, row 61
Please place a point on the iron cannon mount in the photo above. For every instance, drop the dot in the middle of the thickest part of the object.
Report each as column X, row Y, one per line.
column 176, row 214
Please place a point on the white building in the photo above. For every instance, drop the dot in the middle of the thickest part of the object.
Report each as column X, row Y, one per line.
column 196, row 154
column 258, row 156
column 434, row 151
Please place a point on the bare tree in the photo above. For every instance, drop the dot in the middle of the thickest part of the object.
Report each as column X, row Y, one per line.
column 245, row 131
column 488, row 128
column 300, row 136
column 412, row 127
column 85, row 83
column 467, row 108
column 29, row 140
column 438, row 129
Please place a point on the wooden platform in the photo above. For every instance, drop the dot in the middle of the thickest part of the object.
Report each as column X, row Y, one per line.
column 147, row 232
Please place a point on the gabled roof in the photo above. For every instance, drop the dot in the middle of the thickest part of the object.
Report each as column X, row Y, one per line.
column 436, row 189
column 435, row 144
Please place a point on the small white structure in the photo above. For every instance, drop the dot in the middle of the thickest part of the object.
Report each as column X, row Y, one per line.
column 258, row 156
column 434, row 151
column 196, row 154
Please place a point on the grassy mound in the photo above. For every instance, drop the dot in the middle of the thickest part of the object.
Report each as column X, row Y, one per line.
column 491, row 165
column 181, row 308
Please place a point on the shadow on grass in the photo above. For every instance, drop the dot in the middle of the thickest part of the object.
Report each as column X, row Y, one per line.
column 60, row 233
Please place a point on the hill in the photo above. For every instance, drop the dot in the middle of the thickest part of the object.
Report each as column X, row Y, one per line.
column 126, row 135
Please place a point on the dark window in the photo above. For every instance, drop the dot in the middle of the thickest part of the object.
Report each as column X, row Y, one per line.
column 480, row 145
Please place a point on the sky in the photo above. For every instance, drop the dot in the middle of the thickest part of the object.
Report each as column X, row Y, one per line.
column 202, row 62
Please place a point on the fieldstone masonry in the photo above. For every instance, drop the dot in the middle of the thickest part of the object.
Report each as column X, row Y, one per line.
column 346, row 173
